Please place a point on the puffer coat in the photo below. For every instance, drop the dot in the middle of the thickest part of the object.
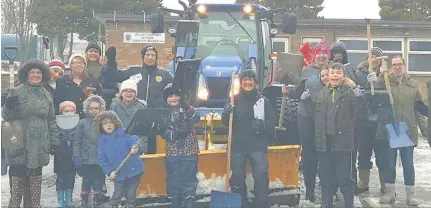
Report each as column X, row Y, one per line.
column 36, row 109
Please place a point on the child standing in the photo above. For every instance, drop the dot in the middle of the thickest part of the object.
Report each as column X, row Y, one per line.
column 181, row 150
column 85, row 146
column 335, row 110
column 63, row 161
column 114, row 145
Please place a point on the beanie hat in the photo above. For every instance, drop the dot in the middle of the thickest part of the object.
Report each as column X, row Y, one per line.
column 67, row 104
column 128, row 84
column 376, row 51
column 322, row 47
column 148, row 48
column 110, row 114
column 77, row 55
column 93, row 45
column 56, row 64
column 248, row 73
column 168, row 91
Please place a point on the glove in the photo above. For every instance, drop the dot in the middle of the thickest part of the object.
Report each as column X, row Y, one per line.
column 78, row 161
column 229, row 108
column 372, row 77
column 11, row 99
column 357, row 91
column 305, row 94
column 53, row 149
column 258, row 125
column 111, row 53
column 184, row 105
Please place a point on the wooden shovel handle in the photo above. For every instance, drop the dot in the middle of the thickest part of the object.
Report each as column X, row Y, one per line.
column 370, row 58
column 229, row 137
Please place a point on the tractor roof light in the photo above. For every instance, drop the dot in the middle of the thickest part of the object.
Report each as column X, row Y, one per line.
column 273, row 56
column 247, row 9
column 202, row 9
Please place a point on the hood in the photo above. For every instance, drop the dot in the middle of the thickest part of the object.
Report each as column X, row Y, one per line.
column 97, row 127
column 34, row 64
column 220, row 65
column 339, row 47
column 91, row 98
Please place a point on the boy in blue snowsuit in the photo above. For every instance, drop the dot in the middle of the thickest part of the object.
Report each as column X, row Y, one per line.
column 114, row 146
column 181, row 150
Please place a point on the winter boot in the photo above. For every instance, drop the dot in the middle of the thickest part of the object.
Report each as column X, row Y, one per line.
column 60, row 198
column 35, row 190
column 188, row 202
column 84, row 200
column 68, row 197
column 389, row 196
column 97, row 197
column 410, row 193
column 364, row 180
column 17, row 185
column 382, row 182
column 309, row 195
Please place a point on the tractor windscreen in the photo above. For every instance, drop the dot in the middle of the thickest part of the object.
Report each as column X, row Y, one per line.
column 220, row 33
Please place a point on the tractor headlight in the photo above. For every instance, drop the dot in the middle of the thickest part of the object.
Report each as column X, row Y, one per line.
column 202, row 88
column 202, row 9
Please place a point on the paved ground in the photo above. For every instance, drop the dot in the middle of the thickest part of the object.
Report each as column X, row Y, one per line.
column 423, row 181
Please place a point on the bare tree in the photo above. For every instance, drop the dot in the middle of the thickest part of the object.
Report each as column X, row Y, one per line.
column 15, row 20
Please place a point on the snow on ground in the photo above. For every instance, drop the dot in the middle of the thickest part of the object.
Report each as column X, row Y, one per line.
column 422, row 168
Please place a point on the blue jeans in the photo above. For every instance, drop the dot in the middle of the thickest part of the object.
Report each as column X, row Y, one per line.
column 406, row 154
column 65, row 181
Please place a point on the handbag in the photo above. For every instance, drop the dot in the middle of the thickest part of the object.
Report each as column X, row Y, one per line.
column 12, row 135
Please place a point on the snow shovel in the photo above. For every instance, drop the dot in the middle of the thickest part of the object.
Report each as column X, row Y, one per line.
column 398, row 132
column 370, row 58
column 226, row 199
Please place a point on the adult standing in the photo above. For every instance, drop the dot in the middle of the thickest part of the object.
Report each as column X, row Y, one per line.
column 368, row 142
column 339, row 54
column 250, row 139
column 310, row 75
column 405, row 92
column 78, row 85
column 151, row 80
column 40, row 132
column 56, row 69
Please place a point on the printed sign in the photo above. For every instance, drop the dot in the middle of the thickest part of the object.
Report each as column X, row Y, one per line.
column 131, row 37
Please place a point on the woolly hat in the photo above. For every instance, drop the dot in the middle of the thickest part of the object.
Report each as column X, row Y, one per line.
column 93, row 45
column 56, row 64
column 169, row 90
column 376, row 51
column 34, row 64
column 93, row 98
column 67, row 104
column 322, row 47
column 128, row 84
column 149, row 48
column 248, row 73
column 97, row 123
column 77, row 55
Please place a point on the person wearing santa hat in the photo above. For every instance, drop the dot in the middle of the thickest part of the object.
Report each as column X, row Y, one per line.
column 56, row 68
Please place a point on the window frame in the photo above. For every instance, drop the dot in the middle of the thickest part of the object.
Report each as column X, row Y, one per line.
column 286, row 41
column 395, row 39
column 416, row 53
column 312, row 37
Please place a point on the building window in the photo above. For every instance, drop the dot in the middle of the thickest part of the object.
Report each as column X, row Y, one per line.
column 280, row 45
column 313, row 40
column 419, row 56
column 357, row 48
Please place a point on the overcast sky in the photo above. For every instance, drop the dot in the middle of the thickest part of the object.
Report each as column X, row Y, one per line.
column 345, row 9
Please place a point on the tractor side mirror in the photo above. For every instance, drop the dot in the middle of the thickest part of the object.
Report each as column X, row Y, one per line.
column 289, row 23
column 157, row 23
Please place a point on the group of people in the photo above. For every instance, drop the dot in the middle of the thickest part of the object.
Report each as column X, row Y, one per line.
column 338, row 126
column 77, row 118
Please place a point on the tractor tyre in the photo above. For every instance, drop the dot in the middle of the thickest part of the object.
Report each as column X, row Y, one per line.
column 290, row 121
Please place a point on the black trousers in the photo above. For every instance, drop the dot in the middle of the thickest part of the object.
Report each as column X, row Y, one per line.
column 259, row 165
column 309, row 154
column 335, row 169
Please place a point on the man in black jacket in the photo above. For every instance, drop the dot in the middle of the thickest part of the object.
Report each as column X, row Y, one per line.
column 250, row 144
column 151, row 80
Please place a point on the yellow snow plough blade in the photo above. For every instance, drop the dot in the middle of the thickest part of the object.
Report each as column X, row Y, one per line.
column 283, row 170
